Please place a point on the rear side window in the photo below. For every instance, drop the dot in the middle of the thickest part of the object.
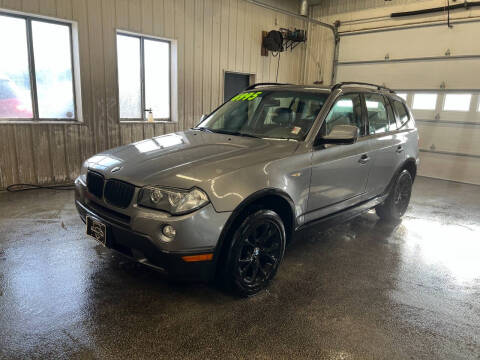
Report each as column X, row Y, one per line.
column 346, row 111
column 402, row 113
column 377, row 114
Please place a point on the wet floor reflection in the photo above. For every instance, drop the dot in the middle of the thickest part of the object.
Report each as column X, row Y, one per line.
column 451, row 247
column 363, row 289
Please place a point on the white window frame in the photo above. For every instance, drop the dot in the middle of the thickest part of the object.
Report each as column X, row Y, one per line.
column 75, row 59
column 173, row 78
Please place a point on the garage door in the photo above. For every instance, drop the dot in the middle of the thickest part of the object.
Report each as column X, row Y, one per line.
column 437, row 70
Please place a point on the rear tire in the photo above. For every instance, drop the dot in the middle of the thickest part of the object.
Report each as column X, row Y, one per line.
column 397, row 201
column 255, row 253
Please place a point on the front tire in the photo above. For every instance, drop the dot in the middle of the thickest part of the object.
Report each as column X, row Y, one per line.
column 255, row 253
column 397, row 201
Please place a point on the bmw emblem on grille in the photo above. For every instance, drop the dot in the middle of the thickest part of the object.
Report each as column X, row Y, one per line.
column 116, row 168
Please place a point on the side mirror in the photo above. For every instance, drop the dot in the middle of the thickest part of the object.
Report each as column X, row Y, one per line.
column 203, row 117
column 340, row 134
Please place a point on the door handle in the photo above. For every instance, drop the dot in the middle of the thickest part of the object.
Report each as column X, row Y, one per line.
column 399, row 149
column 363, row 159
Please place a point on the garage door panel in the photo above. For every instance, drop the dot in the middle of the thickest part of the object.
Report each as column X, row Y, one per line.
column 416, row 63
column 455, row 168
column 449, row 138
column 416, row 42
column 457, row 75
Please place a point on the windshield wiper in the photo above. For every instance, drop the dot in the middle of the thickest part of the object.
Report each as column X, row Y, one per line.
column 204, row 129
column 246, row 135
column 226, row 132
column 235, row 133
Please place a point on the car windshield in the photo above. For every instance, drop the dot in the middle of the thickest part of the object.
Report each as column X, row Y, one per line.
column 267, row 114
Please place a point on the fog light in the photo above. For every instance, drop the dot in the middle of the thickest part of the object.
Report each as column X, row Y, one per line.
column 169, row 231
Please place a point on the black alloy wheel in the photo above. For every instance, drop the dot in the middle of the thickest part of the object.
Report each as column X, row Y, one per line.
column 256, row 252
column 403, row 191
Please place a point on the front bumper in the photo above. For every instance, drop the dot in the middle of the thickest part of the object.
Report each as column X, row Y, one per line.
column 136, row 232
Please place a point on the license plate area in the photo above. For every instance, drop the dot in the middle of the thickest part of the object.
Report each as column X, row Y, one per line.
column 97, row 230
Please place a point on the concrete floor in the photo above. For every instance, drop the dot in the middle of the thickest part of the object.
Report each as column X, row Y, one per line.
column 364, row 289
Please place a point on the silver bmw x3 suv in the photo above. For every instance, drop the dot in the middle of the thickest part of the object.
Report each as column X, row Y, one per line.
column 222, row 200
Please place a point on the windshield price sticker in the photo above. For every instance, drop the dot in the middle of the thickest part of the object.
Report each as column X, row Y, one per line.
column 296, row 130
column 246, row 96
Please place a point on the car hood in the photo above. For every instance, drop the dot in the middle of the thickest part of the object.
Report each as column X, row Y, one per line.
column 186, row 159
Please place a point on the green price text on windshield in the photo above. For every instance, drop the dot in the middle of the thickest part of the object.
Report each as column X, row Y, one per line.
column 246, row 96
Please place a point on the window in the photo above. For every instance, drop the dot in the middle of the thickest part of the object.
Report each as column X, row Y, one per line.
column 457, row 102
column 377, row 114
column 402, row 113
column 36, row 73
column 346, row 111
column 143, row 77
column 402, row 95
column 129, row 79
column 424, row 101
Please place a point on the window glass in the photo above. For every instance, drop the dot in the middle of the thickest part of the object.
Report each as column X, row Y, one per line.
column 401, row 111
column 129, row 82
column 391, row 116
column 424, row 101
column 268, row 114
column 15, row 95
column 53, row 70
column 402, row 95
column 457, row 102
column 157, row 78
column 36, row 64
column 346, row 111
column 377, row 114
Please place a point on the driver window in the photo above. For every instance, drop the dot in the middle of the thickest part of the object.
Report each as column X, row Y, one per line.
column 346, row 111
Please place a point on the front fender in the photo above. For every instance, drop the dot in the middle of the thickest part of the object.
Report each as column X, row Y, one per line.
column 289, row 176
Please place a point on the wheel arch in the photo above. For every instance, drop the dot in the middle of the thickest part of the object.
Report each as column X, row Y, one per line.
column 410, row 165
column 273, row 199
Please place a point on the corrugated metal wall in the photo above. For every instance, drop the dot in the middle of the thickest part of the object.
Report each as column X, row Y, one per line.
column 320, row 51
column 213, row 36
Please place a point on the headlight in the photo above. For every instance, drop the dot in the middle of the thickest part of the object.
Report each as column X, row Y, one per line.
column 176, row 202
column 83, row 172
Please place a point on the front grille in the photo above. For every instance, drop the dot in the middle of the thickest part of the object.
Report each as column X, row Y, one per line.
column 95, row 184
column 119, row 193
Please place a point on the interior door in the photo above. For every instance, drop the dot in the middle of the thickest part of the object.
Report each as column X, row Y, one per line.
column 340, row 172
column 235, row 83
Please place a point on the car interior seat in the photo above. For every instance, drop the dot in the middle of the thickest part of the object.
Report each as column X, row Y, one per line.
column 282, row 116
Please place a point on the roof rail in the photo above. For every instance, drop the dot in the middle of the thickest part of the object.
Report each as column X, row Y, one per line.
column 379, row 87
column 264, row 84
